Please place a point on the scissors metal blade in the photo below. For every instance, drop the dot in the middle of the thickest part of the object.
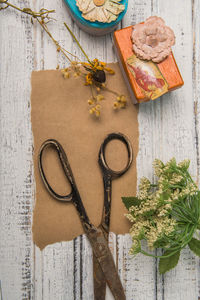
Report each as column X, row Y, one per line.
column 105, row 259
column 99, row 278
column 108, row 175
column 99, row 281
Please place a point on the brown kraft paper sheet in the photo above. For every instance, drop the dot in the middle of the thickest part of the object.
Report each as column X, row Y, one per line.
column 60, row 111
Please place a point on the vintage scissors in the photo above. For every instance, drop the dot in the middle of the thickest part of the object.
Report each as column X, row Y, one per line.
column 108, row 176
column 104, row 259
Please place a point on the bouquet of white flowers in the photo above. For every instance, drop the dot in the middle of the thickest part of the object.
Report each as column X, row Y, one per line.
column 166, row 214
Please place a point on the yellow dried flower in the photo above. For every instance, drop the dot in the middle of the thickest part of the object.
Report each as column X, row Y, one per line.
column 109, row 70
column 97, row 107
column 98, row 88
column 65, row 73
column 95, row 110
column 88, row 78
column 99, row 97
column 92, row 110
column 123, row 99
column 90, row 101
column 97, row 113
column 103, row 64
column 122, row 105
column 116, row 105
column 121, row 102
column 99, row 68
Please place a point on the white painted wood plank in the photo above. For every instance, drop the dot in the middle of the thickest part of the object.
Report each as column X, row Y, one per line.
column 196, row 73
column 58, row 281
column 87, row 270
column 196, row 90
column 176, row 135
column 101, row 48
column 16, row 52
column 140, row 272
column 160, row 129
column 58, row 265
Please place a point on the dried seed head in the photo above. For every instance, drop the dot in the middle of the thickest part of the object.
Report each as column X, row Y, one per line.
column 99, row 76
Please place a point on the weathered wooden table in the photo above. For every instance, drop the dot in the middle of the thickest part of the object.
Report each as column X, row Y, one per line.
column 168, row 127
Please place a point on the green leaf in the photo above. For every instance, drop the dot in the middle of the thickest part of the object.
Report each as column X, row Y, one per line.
column 168, row 263
column 164, row 196
column 161, row 242
column 131, row 201
column 194, row 245
column 149, row 213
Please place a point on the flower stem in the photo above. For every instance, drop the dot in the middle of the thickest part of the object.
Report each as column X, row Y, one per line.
column 40, row 16
column 109, row 90
column 157, row 256
column 71, row 33
column 27, row 11
column 176, row 249
column 52, row 38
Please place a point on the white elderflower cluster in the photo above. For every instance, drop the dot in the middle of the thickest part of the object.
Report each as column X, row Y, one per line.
column 139, row 228
column 158, row 167
column 164, row 210
column 176, row 178
column 144, row 188
column 190, row 189
column 145, row 184
column 152, row 213
column 135, row 247
column 150, row 221
column 130, row 217
column 184, row 164
column 164, row 227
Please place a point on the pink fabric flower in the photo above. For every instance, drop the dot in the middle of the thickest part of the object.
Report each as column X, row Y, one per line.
column 152, row 40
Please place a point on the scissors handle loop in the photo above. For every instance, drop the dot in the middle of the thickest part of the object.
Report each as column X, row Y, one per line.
column 102, row 159
column 66, row 168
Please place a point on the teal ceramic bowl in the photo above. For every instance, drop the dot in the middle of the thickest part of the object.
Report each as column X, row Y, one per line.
column 95, row 28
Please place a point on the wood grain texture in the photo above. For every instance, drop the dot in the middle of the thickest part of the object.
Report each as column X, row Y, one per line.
column 196, row 93
column 177, row 135
column 16, row 248
column 168, row 127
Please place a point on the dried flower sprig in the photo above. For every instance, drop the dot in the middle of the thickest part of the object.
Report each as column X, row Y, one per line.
column 93, row 71
column 166, row 214
column 96, row 77
column 43, row 17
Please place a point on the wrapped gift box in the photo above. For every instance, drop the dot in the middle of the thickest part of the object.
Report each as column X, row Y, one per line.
column 146, row 80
